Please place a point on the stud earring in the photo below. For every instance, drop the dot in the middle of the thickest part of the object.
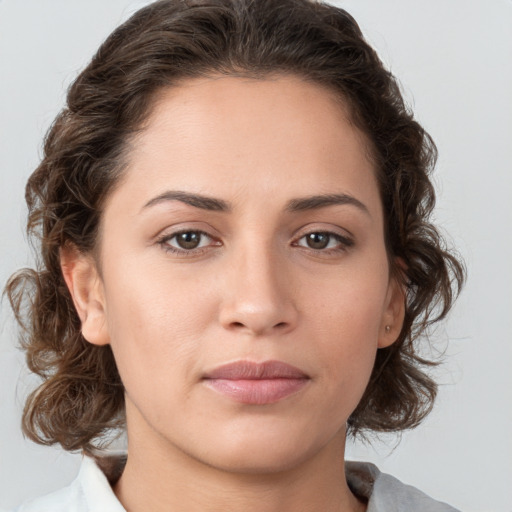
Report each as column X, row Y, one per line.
column 388, row 329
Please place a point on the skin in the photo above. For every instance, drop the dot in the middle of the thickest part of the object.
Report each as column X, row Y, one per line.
column 252, row 290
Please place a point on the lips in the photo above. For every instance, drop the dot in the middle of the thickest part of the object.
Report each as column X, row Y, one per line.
column 256, row 383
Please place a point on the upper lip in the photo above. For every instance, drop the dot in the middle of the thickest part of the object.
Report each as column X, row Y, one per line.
column 248, row 370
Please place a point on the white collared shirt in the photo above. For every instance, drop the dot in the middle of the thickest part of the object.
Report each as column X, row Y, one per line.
column 91, row 492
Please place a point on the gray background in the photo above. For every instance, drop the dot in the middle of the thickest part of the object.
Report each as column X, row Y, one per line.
column 454, row 59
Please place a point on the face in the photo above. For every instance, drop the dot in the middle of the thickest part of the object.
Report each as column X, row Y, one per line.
column 244, row 281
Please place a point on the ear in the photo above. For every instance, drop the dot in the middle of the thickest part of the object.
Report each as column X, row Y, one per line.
column 86, row 288
column 394, row 313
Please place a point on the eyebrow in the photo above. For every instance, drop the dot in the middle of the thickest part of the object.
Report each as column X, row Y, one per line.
column 196, row 200
column 323, row 200
column 219, row 205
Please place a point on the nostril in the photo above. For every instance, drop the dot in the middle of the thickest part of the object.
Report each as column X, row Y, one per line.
column 238, row 325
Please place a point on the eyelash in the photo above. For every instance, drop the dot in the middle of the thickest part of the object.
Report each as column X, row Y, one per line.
column 344, row 242
column 164, row 240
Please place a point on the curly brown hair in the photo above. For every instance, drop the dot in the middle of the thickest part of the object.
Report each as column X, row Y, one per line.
column 81, row 396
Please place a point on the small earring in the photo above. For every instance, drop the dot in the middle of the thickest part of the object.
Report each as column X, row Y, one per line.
column 388, row 329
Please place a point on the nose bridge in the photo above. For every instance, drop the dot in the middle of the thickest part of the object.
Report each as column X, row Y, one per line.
column 258, row 295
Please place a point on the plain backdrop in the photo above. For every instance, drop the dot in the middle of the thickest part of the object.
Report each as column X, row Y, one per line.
column 454, row 60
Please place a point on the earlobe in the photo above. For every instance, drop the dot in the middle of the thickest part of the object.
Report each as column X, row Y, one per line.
column 86, row 288
column 394, row 314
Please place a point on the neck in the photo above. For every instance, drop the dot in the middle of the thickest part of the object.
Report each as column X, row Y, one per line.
column 159, row 476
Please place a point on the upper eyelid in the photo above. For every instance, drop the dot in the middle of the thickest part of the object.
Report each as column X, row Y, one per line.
column 170, row 236
column 304, row 233
column 185, row 227
column 346, row 240
column 181, row 231
column 331, row 229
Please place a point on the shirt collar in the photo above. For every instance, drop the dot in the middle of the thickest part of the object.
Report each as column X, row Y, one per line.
column 97, row 491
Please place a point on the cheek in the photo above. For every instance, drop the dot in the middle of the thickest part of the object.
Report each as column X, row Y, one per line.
column 345, row 320
column 154, row 322
column 350, row 303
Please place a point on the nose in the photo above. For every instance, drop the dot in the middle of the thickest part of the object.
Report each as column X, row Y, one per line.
column 258, row 297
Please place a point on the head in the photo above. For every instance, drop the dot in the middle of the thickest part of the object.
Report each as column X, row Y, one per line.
column 126, row 105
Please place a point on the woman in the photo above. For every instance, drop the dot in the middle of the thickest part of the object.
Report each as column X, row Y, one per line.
column 237, row 264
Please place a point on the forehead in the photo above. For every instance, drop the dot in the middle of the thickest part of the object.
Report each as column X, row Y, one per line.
column 229, row 136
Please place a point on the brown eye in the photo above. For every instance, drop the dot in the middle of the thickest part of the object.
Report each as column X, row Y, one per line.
column 185, row 242
column 318, row 240
column 325, row 241
column 188, row 240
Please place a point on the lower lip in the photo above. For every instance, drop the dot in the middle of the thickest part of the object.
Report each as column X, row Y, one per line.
column 257, row 391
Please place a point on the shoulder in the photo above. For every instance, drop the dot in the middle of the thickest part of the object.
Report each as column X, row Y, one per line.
column 89, row 492
column 66, row 499
column 386, row 493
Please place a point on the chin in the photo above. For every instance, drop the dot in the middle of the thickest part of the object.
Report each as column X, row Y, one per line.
column 259, row 462
column 260, row 452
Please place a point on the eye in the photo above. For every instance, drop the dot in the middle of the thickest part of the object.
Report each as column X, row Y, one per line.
column 324, row 241
column 186, row 241
column 189, row 239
